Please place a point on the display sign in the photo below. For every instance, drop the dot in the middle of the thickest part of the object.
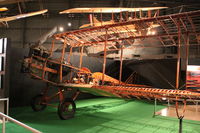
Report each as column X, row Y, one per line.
column 193, row 77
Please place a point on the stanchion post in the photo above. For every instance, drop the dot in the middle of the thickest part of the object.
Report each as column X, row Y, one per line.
column 3, row 125
column 155, row 103
column 196, row 106
column 180, row 124
column 168, row 104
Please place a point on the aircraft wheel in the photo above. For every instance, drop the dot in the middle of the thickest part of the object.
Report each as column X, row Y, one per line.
column 66, row 109
column 37, row 103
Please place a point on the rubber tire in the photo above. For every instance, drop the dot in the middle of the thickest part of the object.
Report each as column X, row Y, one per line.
column 36, row 106
column 63, row 108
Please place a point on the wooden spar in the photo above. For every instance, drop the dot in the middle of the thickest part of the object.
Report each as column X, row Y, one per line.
column 121, row 65
column 81, row 57
column 62, row 60
column 104, row 57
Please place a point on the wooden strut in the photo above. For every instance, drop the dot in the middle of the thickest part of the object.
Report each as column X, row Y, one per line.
column 81, row 57
column 120, row 20
column 52, row 47
column 104, row 59
column 69, row 55
column 62, row 60
column 19, row 7
column 68, row 60
column 180, row 117
column 101, row 18
column 43, row 69
column 80, row 62
column 121, row 65
column 186, row 56
column 61, row 96
column 75, row 95
column 112, row 16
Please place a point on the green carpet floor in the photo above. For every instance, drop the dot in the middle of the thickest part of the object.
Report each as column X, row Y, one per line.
column 101, row 115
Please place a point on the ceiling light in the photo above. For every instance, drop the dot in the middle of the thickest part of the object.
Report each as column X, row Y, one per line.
column 69, row 24
column 61, row 29
column 153, row 32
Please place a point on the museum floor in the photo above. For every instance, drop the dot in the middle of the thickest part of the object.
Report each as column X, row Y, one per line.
column 101, row 115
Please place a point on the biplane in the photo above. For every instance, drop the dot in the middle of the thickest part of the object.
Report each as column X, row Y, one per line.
column 175, row 30
column 4, row 20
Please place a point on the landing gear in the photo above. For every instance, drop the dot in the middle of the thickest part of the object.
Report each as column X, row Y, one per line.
column 38, row 103
column 66, row 109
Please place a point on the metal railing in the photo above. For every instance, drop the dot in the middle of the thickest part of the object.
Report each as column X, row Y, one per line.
column 4, row 117
column 7, row 104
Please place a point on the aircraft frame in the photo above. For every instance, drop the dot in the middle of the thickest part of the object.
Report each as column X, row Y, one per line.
column 184, row 33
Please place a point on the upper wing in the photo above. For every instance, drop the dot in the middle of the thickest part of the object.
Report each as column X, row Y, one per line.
column 167, row 34
column 6, row 19
column 108, row 10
